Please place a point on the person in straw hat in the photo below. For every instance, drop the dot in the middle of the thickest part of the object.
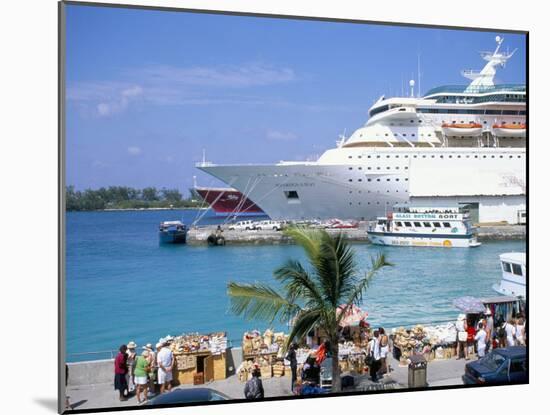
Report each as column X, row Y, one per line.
column 131, row 362
column 165, row 361
column 461, row 336
column 152, row 363
column 141, row 373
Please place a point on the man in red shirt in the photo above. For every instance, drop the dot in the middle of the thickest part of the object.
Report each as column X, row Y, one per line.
column 121, row 369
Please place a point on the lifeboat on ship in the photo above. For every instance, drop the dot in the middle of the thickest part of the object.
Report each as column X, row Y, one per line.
column 510, row 130
column 462, row 129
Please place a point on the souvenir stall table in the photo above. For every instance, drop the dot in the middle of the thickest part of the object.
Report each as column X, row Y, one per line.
column 433, row 342
column 200, row 358
column 265, row 351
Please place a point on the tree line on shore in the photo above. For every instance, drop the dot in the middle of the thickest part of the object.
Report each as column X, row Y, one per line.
column 124, row 197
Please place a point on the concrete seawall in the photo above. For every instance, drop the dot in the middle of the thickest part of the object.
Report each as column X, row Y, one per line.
column 199, row 236
column 95, row 372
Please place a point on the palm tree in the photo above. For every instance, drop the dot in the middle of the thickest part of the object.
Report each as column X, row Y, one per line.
column 309, row 297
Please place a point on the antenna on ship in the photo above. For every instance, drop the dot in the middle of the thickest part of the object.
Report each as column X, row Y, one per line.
column 411, row 84
column 418, row 88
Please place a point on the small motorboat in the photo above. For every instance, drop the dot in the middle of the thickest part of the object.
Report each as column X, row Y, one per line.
column 462, row 129
column 172, row 232
column 340, row 224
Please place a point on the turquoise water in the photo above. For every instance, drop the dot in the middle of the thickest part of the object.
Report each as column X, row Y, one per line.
column 122, row 285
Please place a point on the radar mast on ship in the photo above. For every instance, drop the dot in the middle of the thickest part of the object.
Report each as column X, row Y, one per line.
column 485, row 77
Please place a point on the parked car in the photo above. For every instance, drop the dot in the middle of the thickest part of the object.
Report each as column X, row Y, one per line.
column 244, row 225
column 500, row 366
column 269, row 224
column 188, row 395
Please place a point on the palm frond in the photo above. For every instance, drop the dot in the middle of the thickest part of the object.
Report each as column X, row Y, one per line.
column 304, row 322
column 297, row 282
column 259, row 301
column 356, row 295
column 308, row 239
column 336, row 267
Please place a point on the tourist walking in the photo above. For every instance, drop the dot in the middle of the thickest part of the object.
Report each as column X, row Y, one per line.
column 141, row 376
column 520, row 332
column 291, row 357
column 165, row 361
column 131, row 362
column 121, row 369
column 510, row 333
column 461, row 336
column 254, row 389
column 481, row 340
column 384, row 350
column 373, row 356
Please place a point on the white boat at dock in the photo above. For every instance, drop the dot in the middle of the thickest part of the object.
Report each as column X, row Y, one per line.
column 514, row 275
column 433, row 227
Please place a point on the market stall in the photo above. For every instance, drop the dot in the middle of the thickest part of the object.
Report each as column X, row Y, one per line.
column 200, row 358
column 265, row 351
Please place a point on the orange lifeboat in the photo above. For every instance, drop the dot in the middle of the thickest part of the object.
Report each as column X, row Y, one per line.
column 510, row 130
column 462, row 129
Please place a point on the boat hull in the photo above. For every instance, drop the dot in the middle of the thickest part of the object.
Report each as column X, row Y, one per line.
column 510, row 289
column 462, row 132
column 229, row 202
column 443, row 241
column 172, row 237
column 510, row 132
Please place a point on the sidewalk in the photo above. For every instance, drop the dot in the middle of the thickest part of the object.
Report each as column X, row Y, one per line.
column 439, row 373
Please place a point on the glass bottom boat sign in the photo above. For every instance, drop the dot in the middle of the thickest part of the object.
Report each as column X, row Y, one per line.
column 440, row 227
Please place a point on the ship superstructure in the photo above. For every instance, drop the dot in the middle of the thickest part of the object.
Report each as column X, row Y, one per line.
column 456, row 142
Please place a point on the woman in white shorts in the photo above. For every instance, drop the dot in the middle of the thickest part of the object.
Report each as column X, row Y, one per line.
column 141, row 372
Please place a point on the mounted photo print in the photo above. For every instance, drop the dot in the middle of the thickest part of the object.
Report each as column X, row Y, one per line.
column 261, row 207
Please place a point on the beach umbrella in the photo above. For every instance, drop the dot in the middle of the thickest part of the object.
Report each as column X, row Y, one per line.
column 469, row 305
column 353, row 317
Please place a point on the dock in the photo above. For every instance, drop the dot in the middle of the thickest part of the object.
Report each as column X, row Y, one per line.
column 198, row 236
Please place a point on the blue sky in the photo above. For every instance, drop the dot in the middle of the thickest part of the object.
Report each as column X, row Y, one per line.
column 148, row 90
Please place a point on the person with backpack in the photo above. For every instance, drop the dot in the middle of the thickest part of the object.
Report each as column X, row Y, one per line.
column 291, row 357
column 254, row 388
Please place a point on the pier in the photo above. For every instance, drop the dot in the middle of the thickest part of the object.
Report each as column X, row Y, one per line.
column 199, row 235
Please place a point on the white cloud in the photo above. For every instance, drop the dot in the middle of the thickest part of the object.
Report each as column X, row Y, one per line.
column 176, row 85
column 281, row 135
column 134, row 151
column 120, row 102
column 246, row 75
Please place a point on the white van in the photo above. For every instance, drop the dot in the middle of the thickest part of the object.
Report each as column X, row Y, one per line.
column 269, row 224
column 244, row 225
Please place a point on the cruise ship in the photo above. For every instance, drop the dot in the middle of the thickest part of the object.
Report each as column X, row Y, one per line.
column 456, row 145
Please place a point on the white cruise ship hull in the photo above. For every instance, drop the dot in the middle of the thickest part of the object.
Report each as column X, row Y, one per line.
column 362, row 184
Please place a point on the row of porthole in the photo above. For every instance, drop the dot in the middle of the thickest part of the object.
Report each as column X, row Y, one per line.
column 378, row 191
column 368, row 203
column 388, row 180
column 442, row 156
